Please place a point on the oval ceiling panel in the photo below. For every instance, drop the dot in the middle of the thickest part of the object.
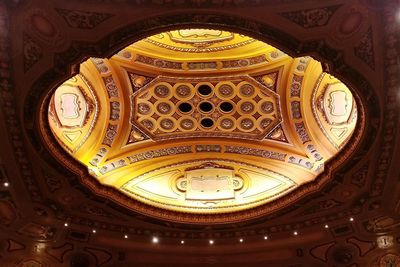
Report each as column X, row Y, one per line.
column 202, row 122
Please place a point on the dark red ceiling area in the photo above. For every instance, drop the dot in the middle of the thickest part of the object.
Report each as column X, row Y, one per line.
column 49, row 218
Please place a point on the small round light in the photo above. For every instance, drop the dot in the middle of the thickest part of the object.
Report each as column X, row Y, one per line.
column 94, row 231
column 155, row 239
column 66, row 224
column 125, row 236
column 351, row 219
column 265, row 237
column 241, row 240
column 326, row 226
column 6, row 184
column 211, row 242
column 182, row 241
column 295, row 233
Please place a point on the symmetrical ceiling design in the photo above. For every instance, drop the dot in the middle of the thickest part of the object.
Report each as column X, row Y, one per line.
column 203, row 121
column 53, row 212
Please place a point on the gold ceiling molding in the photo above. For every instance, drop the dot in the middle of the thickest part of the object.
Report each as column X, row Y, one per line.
column 199, row 40
column 205, row 133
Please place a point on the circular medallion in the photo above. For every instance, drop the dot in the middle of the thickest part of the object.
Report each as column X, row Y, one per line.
column 164, row 108
column 148, row 124
column 161, row 91
column 267, row 107
column 144, row 108
column 264, row 123
column 183, row 91
column 225, row 90
column 246, row 124
column 247, row 107
column 187, row 124
column 167, row 124
column 246, row 90
column 227, row 123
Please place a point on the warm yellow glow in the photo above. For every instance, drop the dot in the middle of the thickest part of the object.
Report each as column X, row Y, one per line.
column 202, row 120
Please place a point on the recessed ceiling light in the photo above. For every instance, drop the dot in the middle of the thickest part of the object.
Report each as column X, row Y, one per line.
column 351, row 219
column 326, row 226
column 265, row 237
column 66, row 224
column 6, row 184
column 211, row 242
column 125, row 236
column 241, row 240
column 155, row 239
column 94, row 231
column 295, row 233
column 182, row 241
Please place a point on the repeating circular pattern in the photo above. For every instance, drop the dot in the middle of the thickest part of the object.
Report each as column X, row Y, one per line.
column 264, row 123
column 144, row 108
column 267, row 107
column 206, row 107
column 204, row 90
column 247, row 90
column 225, row 90
column 167, row 124
column 247, row 107
column 246, row 124
column 187, row 107
column 183, row 91
column 164, row 108
column 226, row 107
column 187, row 124
column 207, row 123
column 161, row 91
column 227, row 123
column 148, row 124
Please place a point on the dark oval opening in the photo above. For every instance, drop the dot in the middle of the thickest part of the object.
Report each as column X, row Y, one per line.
column 226, row 106
column 204, row 90
column 206, row 106
column 185, row 107
column 207, row 122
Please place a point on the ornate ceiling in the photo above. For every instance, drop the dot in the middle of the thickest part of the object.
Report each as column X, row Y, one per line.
column 204, row 122
column 105, row 68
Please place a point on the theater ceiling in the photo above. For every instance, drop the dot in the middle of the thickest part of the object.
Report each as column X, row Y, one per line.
column 199, row 132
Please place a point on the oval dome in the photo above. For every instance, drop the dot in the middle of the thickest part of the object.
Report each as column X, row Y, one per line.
column 193, row 124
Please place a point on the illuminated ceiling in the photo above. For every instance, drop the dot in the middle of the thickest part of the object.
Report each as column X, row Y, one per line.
column 200, row 122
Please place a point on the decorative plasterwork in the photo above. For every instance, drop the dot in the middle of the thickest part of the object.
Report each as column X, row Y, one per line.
column 235, row 107
column 199, row 40
column 214, row 186
column 220, row 142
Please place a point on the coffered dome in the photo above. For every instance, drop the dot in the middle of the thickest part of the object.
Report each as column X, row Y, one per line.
column 201, row 125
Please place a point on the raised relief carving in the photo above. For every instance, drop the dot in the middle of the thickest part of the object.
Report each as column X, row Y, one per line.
column 337, row 104
column 169, row 108
column 199, row 40
column 70, row 106
column 200, row 37
column 209, row 182
column 206, row 186
column 334, row 109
